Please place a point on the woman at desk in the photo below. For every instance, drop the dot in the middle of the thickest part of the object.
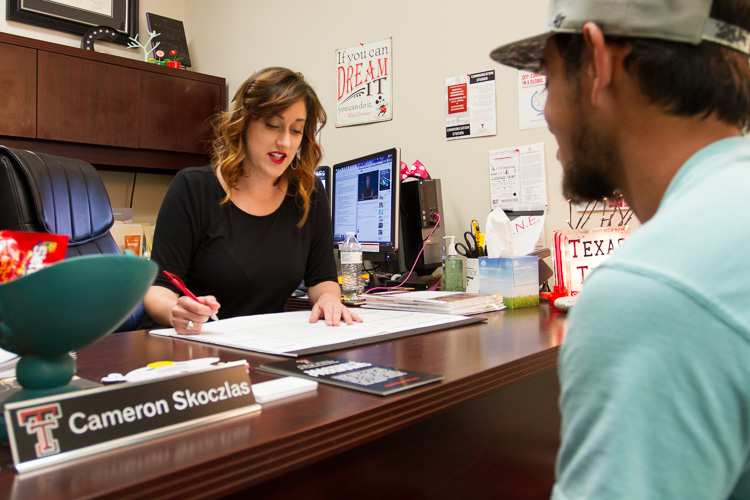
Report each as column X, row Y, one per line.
column 244, row 231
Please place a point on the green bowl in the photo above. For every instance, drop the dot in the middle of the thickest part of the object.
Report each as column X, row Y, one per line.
column 71, row 304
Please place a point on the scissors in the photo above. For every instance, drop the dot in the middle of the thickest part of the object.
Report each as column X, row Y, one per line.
column 469, row 250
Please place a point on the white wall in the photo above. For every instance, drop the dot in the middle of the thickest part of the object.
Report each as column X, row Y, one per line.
column 432, row 40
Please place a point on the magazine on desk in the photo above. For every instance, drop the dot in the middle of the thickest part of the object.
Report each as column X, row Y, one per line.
column 351, row 374
column 292, row 334
column 437, row 302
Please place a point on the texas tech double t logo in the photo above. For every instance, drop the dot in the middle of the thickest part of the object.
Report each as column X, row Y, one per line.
column 40, row 420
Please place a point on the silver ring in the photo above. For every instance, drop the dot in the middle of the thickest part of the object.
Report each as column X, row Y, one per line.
column 189, row 326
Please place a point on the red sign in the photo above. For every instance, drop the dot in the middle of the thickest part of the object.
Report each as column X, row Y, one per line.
column 457, row 98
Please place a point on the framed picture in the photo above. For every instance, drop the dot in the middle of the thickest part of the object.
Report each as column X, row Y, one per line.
column 78, row 16
column 171, row 39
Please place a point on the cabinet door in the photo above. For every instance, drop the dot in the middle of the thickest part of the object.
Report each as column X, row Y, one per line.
column 87, row 101
column 175, row 113
column 18, row 91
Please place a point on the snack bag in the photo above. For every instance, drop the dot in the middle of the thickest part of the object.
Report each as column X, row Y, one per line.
column 23, row 253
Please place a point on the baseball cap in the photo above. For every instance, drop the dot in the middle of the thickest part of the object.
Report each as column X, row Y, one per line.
column 685, row 21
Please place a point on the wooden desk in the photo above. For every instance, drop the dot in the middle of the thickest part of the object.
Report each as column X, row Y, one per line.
column 490, row 429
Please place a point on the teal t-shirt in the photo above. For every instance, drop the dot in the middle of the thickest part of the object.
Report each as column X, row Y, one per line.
column 655, row 369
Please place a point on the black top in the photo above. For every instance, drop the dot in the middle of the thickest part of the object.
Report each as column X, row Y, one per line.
column 250, row 264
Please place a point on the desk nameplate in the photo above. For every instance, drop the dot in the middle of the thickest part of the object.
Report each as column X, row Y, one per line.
column 51, row 430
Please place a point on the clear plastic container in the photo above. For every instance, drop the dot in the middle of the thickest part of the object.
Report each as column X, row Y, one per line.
column 453, row 268
column 351, row 268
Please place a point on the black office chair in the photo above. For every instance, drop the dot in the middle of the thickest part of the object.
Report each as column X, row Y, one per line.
column 50, row 194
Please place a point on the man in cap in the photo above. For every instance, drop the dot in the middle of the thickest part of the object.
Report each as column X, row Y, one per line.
column 649, row 98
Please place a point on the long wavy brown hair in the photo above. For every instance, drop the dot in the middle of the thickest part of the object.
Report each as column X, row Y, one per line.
column 267, row 93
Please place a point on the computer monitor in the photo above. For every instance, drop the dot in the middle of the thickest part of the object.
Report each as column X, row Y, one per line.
column 324, row 174
column 366, row 201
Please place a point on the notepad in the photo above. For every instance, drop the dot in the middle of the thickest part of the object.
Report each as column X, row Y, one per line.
column 281, row 388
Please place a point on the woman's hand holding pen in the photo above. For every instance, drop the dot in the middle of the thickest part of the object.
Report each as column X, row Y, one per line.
column 188, row 315
column 193, row 313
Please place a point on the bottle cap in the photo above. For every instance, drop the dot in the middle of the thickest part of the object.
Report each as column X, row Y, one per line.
column 350, row 233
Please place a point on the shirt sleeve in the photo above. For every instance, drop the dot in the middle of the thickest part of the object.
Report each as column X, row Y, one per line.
column 177, row 231
column 654, row 397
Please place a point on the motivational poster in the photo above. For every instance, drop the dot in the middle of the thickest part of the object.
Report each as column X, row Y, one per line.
column 364, row 84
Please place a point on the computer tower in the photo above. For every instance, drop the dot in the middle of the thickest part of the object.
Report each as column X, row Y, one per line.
column 421, row 200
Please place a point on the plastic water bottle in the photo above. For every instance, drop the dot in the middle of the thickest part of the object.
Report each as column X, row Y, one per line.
column 351, row 268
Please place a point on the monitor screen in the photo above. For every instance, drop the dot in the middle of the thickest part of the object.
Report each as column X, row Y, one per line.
column 366, row 200
column 324, row 174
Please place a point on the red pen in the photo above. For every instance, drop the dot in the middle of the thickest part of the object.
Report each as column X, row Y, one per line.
column 176, row 281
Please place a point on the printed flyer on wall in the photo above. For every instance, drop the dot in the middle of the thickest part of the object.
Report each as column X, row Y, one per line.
column 532, row 97
column 364, row 84
column 517, row 178
column 470, row 106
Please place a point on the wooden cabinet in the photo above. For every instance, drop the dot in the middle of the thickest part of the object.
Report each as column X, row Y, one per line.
column 86, row 101
column 18, row 91
column 104, row 109
column 173, row 111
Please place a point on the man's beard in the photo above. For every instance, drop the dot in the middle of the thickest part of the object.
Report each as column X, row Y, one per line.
column 588, row 173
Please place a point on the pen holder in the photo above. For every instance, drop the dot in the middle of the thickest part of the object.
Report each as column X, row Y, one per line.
column 472, row 276
column 66, row 306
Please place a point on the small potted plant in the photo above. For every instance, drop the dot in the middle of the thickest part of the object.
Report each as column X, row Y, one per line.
column 174, row 62
column 159, row 54
column 171, row 61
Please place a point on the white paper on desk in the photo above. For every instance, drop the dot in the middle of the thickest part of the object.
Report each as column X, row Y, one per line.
column 286, row 333
column 280, row 388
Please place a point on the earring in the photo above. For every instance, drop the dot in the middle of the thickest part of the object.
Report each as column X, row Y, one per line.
column 295, row 160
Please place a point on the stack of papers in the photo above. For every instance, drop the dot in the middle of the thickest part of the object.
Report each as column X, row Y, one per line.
column 8, row 361
column 436, row 302
column 292, row 334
